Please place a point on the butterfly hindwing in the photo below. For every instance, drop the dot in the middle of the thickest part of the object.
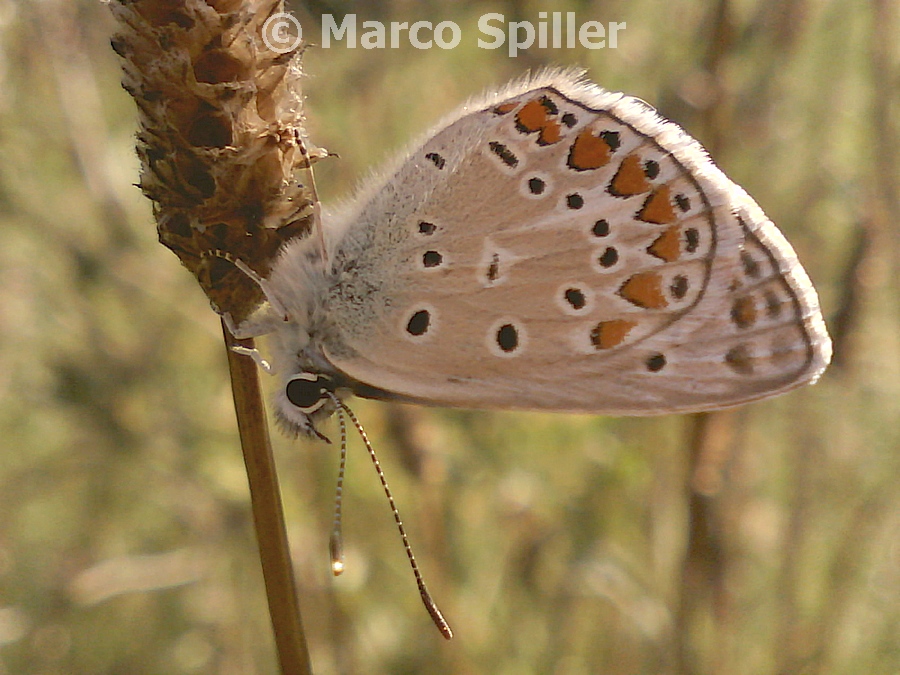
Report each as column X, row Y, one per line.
column 563, row 248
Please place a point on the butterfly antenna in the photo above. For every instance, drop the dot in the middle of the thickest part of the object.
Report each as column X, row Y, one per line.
column 336, row 542
column 429, row 603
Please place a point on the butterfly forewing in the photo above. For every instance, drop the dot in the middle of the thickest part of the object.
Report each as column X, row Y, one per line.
column 563, row 248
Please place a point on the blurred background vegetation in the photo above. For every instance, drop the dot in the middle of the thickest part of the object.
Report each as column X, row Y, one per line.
column 763, row 540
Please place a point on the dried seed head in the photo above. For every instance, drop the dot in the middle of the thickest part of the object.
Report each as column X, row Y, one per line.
column 221, row 138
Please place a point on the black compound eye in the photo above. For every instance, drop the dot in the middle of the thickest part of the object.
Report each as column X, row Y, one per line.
column 308, row 391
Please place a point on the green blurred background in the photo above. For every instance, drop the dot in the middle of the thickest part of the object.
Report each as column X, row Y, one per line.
column 764, row 540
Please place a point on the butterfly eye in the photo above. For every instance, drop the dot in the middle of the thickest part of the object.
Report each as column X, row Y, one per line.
column 308, row 391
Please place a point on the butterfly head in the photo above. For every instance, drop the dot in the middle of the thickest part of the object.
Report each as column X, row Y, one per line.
column 305, row 398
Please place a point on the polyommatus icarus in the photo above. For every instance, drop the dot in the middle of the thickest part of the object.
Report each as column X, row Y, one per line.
column 553, row 247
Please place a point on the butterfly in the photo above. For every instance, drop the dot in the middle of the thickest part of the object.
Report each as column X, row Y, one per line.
column 551, row 246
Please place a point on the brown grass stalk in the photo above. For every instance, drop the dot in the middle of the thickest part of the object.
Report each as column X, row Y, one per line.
column 268, row 514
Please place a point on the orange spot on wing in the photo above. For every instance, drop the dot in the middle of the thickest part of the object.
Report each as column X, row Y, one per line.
column 667, row 246
column 743, row 312
column 609, row 334
column 644, row 290
column 629, row 179
column 505, row 108
column 658, row 208
column 550, row 134
column 589, row 152
column 532, row 117
column 536, row 116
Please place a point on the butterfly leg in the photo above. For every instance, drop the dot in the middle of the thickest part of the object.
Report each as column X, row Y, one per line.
column 264, row 285
column 256, row 356
column 310, row 157
column 258, row 324
column 255, row 278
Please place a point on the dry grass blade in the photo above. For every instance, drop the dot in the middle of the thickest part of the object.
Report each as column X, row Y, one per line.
column 268, row 515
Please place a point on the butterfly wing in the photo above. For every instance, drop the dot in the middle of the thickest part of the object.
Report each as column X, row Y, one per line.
column 564, row 248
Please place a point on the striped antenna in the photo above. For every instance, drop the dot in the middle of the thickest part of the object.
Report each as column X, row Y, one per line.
column 336, row 542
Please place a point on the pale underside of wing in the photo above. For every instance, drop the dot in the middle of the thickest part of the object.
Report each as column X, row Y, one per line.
column 562, row 248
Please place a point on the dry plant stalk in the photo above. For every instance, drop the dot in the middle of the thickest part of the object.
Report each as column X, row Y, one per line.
column 221, row 149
